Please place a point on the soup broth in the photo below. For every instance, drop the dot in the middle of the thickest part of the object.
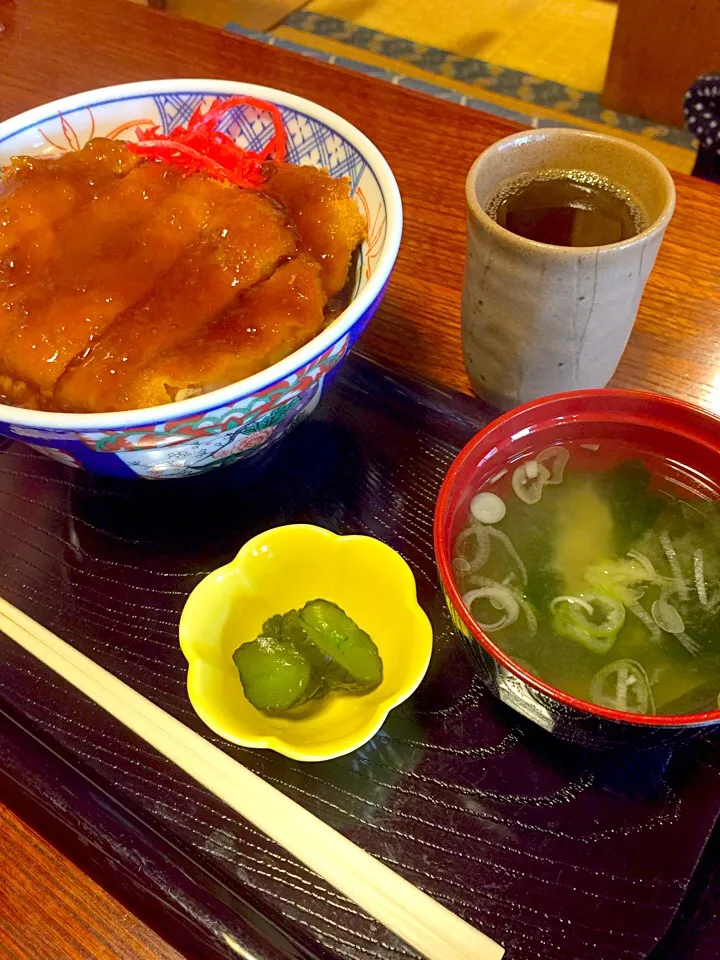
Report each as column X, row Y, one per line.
column 600, row 575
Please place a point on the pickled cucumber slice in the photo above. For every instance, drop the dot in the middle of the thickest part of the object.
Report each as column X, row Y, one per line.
column 332, row 675
column 306, row 654
column 274, row 627
column 274, row 674
column 342, row 641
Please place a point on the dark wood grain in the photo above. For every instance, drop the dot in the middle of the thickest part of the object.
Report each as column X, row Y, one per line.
column 59, row 47
column 49, row 909
column 658, row 50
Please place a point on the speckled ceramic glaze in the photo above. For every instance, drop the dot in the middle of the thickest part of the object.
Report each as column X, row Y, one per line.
column 241, row 420
column 540, row 319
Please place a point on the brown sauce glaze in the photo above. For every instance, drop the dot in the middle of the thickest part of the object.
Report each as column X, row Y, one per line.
column 126, row 284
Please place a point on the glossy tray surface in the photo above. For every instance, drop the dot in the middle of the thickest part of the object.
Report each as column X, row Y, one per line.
column 552, row 851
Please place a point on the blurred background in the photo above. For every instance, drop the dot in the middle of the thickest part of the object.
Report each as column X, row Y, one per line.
column 598, row 64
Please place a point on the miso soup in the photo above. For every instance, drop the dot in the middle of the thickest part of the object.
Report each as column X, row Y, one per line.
column 599, row 572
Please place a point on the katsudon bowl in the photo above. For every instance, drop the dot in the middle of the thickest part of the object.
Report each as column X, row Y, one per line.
column 238, row 421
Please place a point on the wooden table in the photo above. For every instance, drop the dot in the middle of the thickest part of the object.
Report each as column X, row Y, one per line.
column 59, row 47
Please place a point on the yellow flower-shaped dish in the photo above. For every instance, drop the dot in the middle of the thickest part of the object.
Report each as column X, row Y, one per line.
column 281, row 570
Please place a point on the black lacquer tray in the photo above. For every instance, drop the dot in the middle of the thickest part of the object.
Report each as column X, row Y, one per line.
column 553, row 851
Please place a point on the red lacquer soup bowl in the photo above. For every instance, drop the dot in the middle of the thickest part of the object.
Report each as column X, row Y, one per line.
column 598, row 422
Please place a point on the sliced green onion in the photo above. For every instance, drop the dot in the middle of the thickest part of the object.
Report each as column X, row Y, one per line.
column 632, row 595
column 671, row 554
column 557, row 458
column 587, row 607
column 487, row 507
column 644, row 617
column 570, row 619
column 529, row 616
column 621, row 572
column 475, row 581
column 622, row 578
column 495, row 594
column 692, row 646
column 630, row 689
column 475, row 534
column 508, row 544
column 666, row 616
column 699, row 570
column 528, row 481
column 645, row 562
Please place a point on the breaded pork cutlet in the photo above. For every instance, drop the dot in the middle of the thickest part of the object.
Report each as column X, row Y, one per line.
column 37, row 193
column 246, row 236
column 77, row 311
column 83, row 245
column 263, row 326
column 128, row 282
column 328, row 221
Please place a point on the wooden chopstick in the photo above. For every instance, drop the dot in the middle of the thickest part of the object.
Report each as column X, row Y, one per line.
column 412, row 915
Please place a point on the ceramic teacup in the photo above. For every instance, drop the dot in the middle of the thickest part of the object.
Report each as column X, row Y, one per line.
column 538, row 318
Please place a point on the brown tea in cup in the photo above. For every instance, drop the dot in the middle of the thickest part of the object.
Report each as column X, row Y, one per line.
column 568, row 208
column 551, row 316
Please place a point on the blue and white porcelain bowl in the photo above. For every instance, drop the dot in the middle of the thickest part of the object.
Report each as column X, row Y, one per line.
column 198, row 434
